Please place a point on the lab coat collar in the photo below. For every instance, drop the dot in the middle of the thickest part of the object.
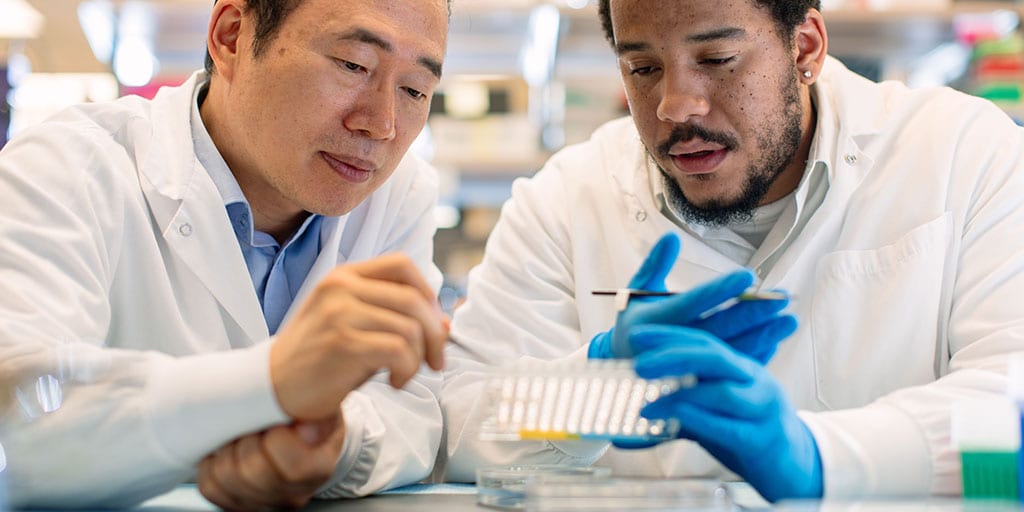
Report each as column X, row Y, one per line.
column 857, row 118
column 189, row 211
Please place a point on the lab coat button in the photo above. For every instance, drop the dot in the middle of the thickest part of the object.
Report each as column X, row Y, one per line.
column 850, row 158
column 185, row 229
column 641, row 216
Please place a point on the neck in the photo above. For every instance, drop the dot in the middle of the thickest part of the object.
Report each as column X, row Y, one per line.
column 280, row 228
column 272, row 213
column 790, row 178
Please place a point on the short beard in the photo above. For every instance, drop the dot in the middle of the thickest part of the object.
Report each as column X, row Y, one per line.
column 760, row 175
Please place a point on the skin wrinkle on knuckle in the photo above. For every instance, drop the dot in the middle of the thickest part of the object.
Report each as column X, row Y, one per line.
column 254, row 473
column 391, row 347
column 411, row 330
column 409, row 299
column 286, row 460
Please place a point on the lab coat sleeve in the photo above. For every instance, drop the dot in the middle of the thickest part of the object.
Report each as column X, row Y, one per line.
column 392, row 436
column 83, row 424
column 900, row 444
column 520, row 305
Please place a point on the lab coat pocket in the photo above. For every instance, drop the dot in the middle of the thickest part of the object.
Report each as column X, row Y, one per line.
column 875, row 316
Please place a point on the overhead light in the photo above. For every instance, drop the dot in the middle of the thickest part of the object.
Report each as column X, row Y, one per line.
column 20, row 20
column 98, row 21
column 134, row 62
column 537, row 56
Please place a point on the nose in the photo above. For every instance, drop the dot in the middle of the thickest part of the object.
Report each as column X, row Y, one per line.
column 373, row 113
column 682, row 99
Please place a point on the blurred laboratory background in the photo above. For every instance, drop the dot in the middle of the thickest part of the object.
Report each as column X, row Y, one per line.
column 522, row 77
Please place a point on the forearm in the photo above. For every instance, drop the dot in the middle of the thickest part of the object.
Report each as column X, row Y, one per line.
column 125, row 425
column 899, row 445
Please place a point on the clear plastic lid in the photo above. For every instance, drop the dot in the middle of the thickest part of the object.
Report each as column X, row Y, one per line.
column 505, row 486
column 629, row 494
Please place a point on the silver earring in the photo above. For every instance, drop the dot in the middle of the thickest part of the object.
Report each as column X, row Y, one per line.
column 807, row 74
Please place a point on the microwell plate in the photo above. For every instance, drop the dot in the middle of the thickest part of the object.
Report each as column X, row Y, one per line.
column 599, row 399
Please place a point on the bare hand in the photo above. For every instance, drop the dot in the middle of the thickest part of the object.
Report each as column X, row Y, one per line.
column 279, row 467
column 361, row 318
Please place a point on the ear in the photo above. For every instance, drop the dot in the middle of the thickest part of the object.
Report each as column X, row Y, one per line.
column 222, row 37
column 811, row 46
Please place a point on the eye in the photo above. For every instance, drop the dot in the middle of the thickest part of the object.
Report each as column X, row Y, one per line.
column 718, row 61
column 643, row 70
column 414, row 94
column 351, row 66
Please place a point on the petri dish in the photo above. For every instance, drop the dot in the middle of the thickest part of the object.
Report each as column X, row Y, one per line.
column 704, row 495
column 504, row 486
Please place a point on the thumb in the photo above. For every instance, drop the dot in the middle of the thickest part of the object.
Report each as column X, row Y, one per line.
column 658, row 264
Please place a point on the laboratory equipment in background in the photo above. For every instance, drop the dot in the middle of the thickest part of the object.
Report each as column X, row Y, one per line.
column 986, row 432
column 996, row 58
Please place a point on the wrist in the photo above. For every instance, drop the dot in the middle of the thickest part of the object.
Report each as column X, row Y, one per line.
column 802, row 464
column 814, row 484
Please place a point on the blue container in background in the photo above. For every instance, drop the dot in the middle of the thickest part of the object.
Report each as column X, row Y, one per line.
column 3, row 487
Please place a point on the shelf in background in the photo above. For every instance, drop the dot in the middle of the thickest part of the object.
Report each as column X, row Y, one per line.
column 900, row 34
column 903, row 14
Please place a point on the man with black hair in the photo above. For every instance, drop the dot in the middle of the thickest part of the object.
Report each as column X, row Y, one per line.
column 227, row 282
column 891, row 215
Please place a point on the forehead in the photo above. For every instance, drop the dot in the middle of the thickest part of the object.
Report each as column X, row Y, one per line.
column 647, row 20
column 419, row 26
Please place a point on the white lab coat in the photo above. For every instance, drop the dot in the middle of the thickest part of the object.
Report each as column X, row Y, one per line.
column 123, row 292
column 907, row 284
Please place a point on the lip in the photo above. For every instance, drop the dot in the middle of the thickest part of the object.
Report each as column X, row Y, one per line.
column 352, row 169
column 700, row 161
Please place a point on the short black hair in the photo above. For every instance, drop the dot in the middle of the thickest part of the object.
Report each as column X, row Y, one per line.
column 268, row 15
column 788, row 15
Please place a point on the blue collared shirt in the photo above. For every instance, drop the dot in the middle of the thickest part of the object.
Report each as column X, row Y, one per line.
column 277, row 271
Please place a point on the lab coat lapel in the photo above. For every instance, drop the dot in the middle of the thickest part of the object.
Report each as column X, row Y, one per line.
column 849, row 163
column 794, row 262
column 190, row 213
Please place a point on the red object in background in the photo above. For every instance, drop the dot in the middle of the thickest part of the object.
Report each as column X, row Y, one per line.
column 999, row 65
column 149, row 90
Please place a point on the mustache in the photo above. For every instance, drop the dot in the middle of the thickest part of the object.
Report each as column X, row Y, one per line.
column 688, row 132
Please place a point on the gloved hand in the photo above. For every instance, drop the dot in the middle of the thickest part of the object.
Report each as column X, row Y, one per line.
column 753, row 327
column 737, row 411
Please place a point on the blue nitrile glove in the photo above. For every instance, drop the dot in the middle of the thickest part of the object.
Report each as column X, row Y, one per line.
column 737, row 411
column 753, row 327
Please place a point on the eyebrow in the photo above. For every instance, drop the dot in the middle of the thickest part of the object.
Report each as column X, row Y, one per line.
column 725, row 33
column 365, row 36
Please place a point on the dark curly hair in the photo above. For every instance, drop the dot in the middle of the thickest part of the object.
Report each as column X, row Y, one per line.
column 268, row 15
column 788, row 15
